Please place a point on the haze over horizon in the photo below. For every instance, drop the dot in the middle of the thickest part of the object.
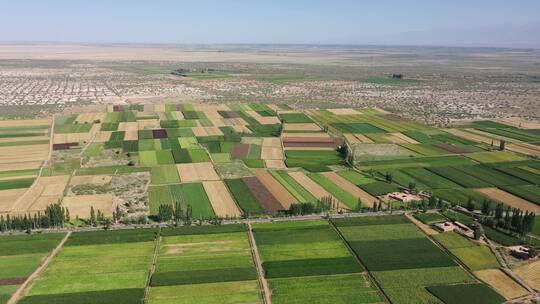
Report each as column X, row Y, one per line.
column 397, row 22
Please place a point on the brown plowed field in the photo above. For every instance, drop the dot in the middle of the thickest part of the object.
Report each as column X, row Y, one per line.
column 221, row 200
column 8, row 198
column 80, row 205
column 400, row 138
column 15, row 154
column 263, row 195
column 271, row 153
column 530, row 273
column 275, row 164
column 301, row 127
column 499, row 280
column 44, row 191
column 280, row 193
column 240, row 151
column 195, row 172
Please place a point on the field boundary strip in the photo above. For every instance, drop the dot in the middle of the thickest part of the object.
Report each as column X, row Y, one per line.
column 267, row 298
column 157, row 244
column 369, row 275
column 16, row 297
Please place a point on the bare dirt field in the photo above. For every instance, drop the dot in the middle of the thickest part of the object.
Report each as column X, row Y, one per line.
column 508, row 199
column 8, row 198
column 20, row 165
column 80, row 205
column 268, row 201
column 357, row 138
column 282, row 195
column 44, row 191
column 507, row 287
column 275, row 164
column 25, row 123
column 195, row 172
column 17, row 154
column 221, row 200
column 400, row 138
column 301, row 127
column 530, row 273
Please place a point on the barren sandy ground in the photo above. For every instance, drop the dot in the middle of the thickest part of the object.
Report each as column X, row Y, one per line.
column 501, row 282
column 195, row 172
column 44, row 191
column 530, row 273
column 301, row 127
column 221, row 200
column 80, row 205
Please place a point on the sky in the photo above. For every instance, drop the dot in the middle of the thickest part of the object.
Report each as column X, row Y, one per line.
column 497, row 23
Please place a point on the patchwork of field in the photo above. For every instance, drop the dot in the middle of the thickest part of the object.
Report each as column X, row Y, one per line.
column 308, row 262
column 20, row 256
column 238, row 160
column 94, row 265
column 408, row 276
column 205, row 265
column 24, row 148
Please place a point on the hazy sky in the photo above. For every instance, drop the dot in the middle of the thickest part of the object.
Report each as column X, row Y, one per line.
column 420, row 22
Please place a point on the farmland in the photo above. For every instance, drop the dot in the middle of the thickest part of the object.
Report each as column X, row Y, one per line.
column 404, row 277
column 268, row 156
column 189, row 165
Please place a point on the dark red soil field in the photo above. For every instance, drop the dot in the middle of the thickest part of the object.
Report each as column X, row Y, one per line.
column 12, row 281
column 240, row 151
column 159, row 133
column 394, row 117
column 65, row 146
column 451, row 148
column 261, row 193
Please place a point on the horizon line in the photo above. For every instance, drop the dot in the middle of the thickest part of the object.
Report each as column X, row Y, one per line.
column 389, row 45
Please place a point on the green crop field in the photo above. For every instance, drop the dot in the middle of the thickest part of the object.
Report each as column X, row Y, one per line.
column 342, row 195
column 312, row 248
column 529, row 193
column 430, row 218
column 460, row 177
column 204, row 259
column 474, row 256
column 466, row 293
column 16, row 183
column 408, row 285
column 243, row 196
column 379, row 188
column 430, row 179
column 312, row 160
column 165, row 174
column 95, row 264
column 495, row 157
column 383, row 232
column 209, row 293
column 339, row 289
column 299, row 192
